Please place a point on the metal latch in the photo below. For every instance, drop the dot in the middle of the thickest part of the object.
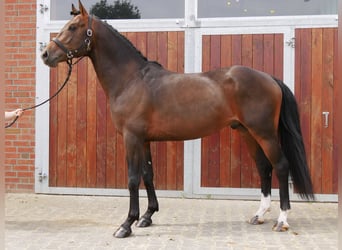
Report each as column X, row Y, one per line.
column 42, row 176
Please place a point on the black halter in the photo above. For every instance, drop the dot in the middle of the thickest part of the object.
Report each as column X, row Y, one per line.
column 87, row 42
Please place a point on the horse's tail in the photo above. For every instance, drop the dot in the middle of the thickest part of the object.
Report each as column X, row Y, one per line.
column 292, row 143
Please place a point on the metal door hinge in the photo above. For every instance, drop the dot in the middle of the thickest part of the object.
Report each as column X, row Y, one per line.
column 291, row 42
column 42, row 46
column 42, row 176
column 43, row 8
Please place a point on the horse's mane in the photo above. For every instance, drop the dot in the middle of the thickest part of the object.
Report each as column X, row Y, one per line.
column 127, row 42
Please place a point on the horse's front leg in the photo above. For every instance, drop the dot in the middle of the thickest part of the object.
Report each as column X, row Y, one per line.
column 135, row 158
column 153, row 206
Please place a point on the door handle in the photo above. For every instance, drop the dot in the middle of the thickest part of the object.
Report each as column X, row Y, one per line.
column 326, row 118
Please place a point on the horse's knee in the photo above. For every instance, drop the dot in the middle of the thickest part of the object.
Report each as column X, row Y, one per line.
column 133, row 183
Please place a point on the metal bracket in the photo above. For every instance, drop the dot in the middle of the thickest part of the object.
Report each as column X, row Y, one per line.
column 291, row 42
column 42, row 46
column 43, row 8
column 42, row 176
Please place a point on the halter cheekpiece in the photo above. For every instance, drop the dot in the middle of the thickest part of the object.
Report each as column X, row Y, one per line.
column 87, row 42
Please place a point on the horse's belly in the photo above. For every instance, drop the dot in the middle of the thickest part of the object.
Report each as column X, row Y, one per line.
column 179, row 128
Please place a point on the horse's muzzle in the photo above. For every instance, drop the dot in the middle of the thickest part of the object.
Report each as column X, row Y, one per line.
column 48, row 59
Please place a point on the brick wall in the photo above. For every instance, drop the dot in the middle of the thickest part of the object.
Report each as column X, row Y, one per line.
column 20, row 56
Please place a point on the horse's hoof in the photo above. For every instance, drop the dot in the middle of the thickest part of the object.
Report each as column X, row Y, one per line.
column 256, row 220
column 122, row 232
column 280, row 227
column 144, row 222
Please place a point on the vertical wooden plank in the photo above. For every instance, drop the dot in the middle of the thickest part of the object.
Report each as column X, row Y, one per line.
column 91, row 127
column 152, row 46
column 171, row 147
column 278, row 73
column 180, row 61
column 132, row 37
column 279, row 56
column 101, row 134
column 246, row 163
column 162, row 58
column 235, row 136
column 316, row 116
column 172, row 51
column 269, row 67
column 180, row 166
column 298, row 62
column 151, row 54
column 226, row 61
column 53, row 130
column 81, row 136
column 334, row 115
column 111, row 151
column 268, row 53
column 214, row 140
column 226, row 51
column 247, row 50
column 305, row 91
column 258, row 63
column 162, row 44
column 204, row 142
column 161, row 165
column 122, row 173
column 62, row 128
column 258, row 52
column 71, row 130
column 180, row 145
column 327, row 106
column 141, row 42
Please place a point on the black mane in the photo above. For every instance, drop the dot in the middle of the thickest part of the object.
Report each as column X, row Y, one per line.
column 127, row 42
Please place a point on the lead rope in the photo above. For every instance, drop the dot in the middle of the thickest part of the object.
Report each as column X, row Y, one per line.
column 70, row 64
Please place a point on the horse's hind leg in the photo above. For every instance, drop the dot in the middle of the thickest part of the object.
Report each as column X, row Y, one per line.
column 265, row 173
column 280, row 164
column 153, row 206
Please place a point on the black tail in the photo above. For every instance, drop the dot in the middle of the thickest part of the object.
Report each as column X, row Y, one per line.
column 292, row 143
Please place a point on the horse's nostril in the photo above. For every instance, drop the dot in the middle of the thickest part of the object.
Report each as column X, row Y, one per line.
column 45, row 54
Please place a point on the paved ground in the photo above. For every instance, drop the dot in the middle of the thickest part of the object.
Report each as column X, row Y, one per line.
column 84, row 222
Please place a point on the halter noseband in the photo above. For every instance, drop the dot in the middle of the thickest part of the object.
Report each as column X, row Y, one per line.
column 71, row 53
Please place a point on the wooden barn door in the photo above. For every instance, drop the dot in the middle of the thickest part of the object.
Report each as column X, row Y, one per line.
column 85, row 149
column 316, row 71
column 225, row 161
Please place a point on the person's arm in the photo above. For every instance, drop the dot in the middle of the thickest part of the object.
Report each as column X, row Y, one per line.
column 13, row 114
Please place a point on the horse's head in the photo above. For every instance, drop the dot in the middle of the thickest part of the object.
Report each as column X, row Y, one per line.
column 74, row 40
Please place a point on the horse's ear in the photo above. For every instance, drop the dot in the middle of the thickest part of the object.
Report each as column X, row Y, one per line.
column 82, row 9
column 74, row 11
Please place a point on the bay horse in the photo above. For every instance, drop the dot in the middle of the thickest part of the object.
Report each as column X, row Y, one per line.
column 149, row 103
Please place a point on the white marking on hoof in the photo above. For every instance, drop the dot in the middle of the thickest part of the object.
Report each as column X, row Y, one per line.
column 265, row 206
column 281, row 225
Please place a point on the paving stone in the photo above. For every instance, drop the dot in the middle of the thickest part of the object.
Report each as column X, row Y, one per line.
column 39, row 222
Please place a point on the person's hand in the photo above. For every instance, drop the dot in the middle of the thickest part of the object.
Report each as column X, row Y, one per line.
column 18, row 112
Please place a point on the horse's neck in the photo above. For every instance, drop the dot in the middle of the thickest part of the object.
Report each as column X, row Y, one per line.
column 115, row 63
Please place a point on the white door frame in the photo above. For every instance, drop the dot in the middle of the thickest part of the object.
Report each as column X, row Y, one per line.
column 194, row 29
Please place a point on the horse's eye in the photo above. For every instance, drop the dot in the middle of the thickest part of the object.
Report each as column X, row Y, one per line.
column 72, row 27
